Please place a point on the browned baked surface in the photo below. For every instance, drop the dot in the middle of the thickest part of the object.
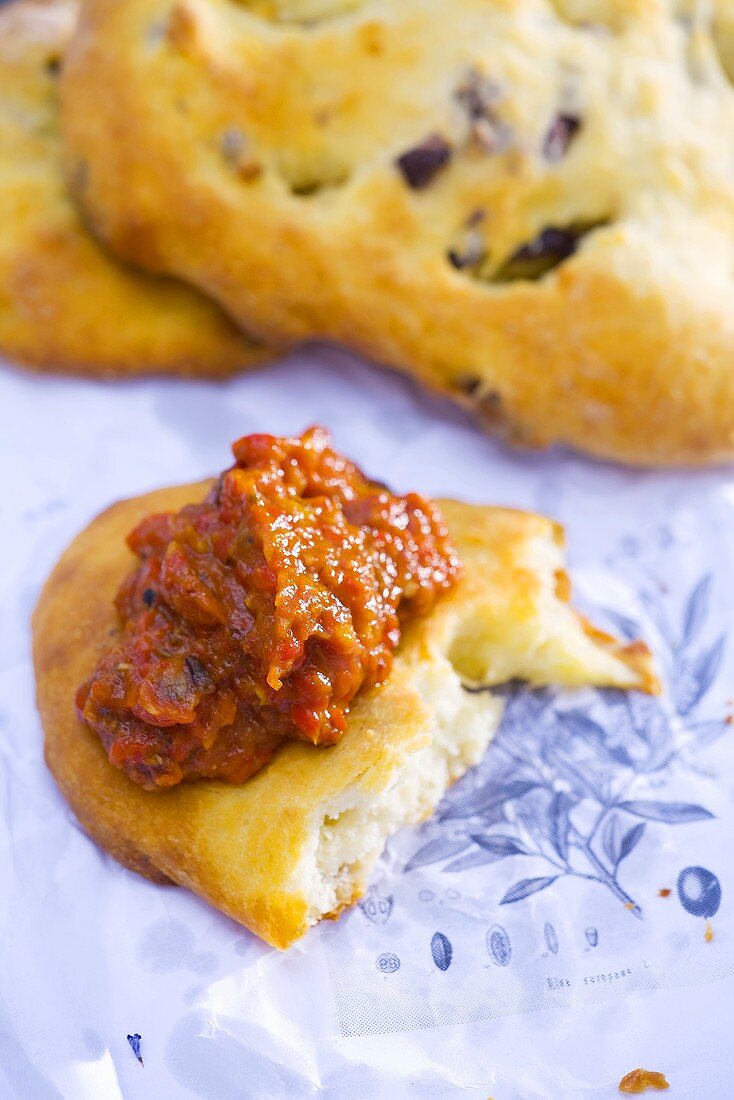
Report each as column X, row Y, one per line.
column 374, row 170
column 65, row 304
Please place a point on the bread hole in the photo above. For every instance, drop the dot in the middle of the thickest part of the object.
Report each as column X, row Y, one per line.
column 306, row 187
column 545, row 252
column 301, row 12
column 309, row 178
column 304, row 176
column 468, row 652
column 470, row 250
column 540, row 255
column 480, row 98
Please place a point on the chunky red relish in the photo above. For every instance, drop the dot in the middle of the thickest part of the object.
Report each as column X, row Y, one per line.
column 256, row 616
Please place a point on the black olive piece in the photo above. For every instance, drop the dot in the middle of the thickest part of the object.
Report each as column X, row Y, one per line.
column 148, row 597
column 478, row 96
column 419, row 165
column 544, row 252
column 560, row 135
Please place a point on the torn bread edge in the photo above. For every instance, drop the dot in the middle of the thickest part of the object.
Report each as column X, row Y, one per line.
column 298, row 841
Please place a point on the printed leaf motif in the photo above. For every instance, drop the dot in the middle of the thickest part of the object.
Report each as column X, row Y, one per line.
column 500, row 845
column 584, row 726
column 675, row 813
column 558, row 814
column 435, row 851
column 626, row 626
column 705, row 732
column 483, row 799
column 610, row 838
column 596, row 735
column 620, row 754
column 477, row 858
column 640, row 717
column 590, row 751
column 698, row 676
column 526, row 887
column 612, row 697
column 696, row 609
column 630, row 840
column 533, row 821
column 707, row 666
column 583, row 783
column 656, row 613
column 648, row 721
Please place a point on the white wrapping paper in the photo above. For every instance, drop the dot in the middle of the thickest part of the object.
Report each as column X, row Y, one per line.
column 515, row 946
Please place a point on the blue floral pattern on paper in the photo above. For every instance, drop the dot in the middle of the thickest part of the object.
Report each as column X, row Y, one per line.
column 499, row 946
column 699, row 891
column 441, row 950
column 387, row 963
column 561, row 788
column 135, row 1041
column 375, row 907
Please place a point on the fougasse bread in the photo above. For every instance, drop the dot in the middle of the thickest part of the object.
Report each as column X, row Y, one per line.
column 527, row 204
column 65, row 304
column 297, row 841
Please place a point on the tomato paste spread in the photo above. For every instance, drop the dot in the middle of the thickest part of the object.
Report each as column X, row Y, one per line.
column 256, row 615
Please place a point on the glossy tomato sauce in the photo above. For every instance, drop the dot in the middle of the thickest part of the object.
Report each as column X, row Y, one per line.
column 256, row 615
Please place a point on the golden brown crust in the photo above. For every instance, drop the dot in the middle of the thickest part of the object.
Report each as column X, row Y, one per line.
column 244, row 848
column 255, row 157
column 65, row 305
